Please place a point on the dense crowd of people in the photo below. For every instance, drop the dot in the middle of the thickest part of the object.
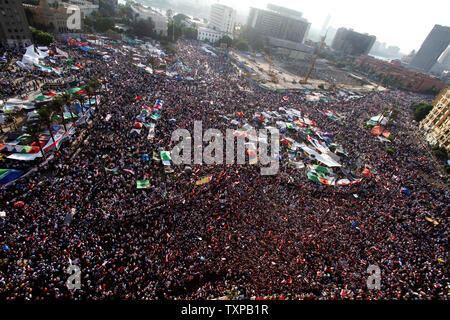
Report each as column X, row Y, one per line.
column 242, row 234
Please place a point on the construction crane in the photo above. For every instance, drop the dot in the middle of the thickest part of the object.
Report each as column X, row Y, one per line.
column 271, row 73
column 304, row 81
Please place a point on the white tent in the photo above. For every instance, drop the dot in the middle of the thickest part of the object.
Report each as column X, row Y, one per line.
column 380, row 119
column 30, row 56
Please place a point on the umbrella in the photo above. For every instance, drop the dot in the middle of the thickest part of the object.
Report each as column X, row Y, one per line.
column 41, row 97
column 73, row 90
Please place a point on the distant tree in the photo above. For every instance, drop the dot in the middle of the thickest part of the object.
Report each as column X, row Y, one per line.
column 421, row 110
column 190, row 33
column 241, row 44
column 113, row 34
column 125, row 13
column 103, row 24
column 142, row 28
column 42, row 38
column 440, row 152
column 170, row 50
column 106, row 8
column 227, row 40
column 174, row 31
column 34, row 130
column 178, row 18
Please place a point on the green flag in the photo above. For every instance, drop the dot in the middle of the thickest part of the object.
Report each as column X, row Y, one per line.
column 313, row 177
column 289, row 126
column 321, row 169
column 156, row 116
column 142, row 184
column 165, row 156
column 25, row 149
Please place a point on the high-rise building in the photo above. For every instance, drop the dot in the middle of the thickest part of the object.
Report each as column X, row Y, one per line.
column 352, row 43
column 433, row 46
column 280, row 23
column 444, row 59
column 14, row 29
column 222, row 19
column 437, row 123
column 159, row 20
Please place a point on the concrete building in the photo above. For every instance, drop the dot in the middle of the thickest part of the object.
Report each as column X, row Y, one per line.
column 14, row 29
column 444, row 59
column 433, row 46
column 209, row 34
column 86, row 7
column 53, row 15
column 158, row 19
column 278, row 22
column 437, row 123
column 222, row 18
column 352, row 43
column 404, row 78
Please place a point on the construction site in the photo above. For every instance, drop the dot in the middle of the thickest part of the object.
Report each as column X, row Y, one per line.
column 301, row 74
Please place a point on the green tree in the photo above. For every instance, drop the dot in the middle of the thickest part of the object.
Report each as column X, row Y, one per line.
column 125, row 13
column 190, row 33
column 42, row 38
column 421, row 110
column 241, row 44
column 142, row 28
column 178, row 18
column 45, row 115
column 227, row 40
column 34, row 130
column 102, row 24
column 57, row 106
column 174, row 31
column 170, row 50
column 440, row 152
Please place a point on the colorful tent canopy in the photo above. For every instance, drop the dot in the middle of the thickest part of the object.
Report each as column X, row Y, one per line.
column 8, row 175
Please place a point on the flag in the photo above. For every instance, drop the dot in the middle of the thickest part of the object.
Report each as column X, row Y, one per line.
column 321, row 169
column 165, row 156
column 62, row 53
column 289, row 126
column 142, row 184
column 203, row 180
column 313, row 177
column 156, row 116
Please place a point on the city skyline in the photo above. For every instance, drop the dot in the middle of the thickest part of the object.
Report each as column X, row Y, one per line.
column 400, row 23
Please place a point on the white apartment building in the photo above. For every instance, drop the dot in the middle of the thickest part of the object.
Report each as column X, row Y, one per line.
column 209, row 34
column 158, row 19
column 86, row 7
column 222, row 18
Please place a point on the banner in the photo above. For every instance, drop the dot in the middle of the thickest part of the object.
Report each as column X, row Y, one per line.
column 203, row 180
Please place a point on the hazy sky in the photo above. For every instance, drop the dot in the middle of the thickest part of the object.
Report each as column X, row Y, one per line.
column 404, row 23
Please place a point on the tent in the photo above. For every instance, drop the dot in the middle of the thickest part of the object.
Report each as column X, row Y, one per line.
column 8, row 175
